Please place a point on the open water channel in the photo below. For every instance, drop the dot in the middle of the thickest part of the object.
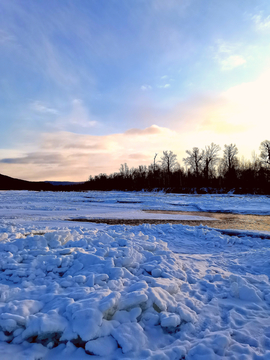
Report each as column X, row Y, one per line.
column 224, row 220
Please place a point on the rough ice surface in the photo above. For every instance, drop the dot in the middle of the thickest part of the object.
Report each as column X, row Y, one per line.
column 92, row 291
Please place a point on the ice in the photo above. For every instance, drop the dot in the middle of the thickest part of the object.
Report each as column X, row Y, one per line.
column 161, row 299
column 8, row 325
column 169, row 319
column 78, row 291
column 109, row 303
column 102, row 346
column 86, row 323
column 130, row 337
column 44, row 324
column 133, row 299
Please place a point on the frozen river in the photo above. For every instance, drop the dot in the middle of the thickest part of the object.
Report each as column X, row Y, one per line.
column 126, row 205
column 86, row 290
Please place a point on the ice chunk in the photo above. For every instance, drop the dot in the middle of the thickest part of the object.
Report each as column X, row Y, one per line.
column 102, row 346
column 106, row 238
column 124, row 316
column 80, row 279
column 138, row 286
column 90, row 280
column 130, row 337
column 107, row 327
column 44, row 324
column 23, row 308
column 201, row 352
column 132, row 299
column 169, row 319
column 149, row 246
column 115, row 273
column 8, row 325
column 20, row 320
column 123, row 242
column 86, row 323
column 248, row 293
column 245, row 292
column 169, row 285
column 89, row 259
column 109, row 303
column 156, row 272
column 134, row 313
column 161, row 298
column 150, row 318
column 101, row 278
column 186, row 313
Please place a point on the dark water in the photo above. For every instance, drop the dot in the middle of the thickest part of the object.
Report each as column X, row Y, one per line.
column 225, row 221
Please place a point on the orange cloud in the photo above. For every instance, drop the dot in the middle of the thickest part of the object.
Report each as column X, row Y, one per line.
column 56, row 159
column 152, row 130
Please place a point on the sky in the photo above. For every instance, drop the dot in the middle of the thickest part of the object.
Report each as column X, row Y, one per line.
column 88, row 85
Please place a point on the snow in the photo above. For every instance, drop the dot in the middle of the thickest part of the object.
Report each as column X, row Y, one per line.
column 71, row 290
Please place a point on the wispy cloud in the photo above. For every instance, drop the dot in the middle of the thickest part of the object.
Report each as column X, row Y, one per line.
column 6, row 38
column 152, row 130
column 165, row 86
column 71, row 115
column 40, row 41
column 226, row 54
column 40, row 107
column 138, row 156
column 79, row 116
column 232, row 62
column 262, row 23
column 146, row 87
column 36, row 158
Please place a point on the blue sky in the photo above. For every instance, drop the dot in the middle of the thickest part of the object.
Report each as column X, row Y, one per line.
column 88, row 85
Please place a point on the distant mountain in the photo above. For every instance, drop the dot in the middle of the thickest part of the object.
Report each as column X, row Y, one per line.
column 9, row 183
column 63, row 183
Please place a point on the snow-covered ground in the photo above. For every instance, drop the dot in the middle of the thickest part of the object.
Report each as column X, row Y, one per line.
column 71, row 290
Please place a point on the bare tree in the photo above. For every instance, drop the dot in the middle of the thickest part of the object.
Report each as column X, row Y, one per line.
column 155, row 162
column 255, row 162
column 168, row 161
column 230, row 160
column 265, row 152
column 210, row 159
column 194, row 160
column 124, row 170
column 244, row 164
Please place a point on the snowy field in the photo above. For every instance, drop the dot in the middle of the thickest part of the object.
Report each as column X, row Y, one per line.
column 76, row 291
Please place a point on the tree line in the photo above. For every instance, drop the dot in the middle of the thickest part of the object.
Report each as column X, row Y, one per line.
column 203, row 170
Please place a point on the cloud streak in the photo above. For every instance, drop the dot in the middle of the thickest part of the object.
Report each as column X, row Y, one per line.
column 40, row 107
column 152, row 130
column 93, row 154
column 39, row 158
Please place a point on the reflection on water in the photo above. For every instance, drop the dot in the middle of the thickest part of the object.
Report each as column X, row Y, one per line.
column 226, row 221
